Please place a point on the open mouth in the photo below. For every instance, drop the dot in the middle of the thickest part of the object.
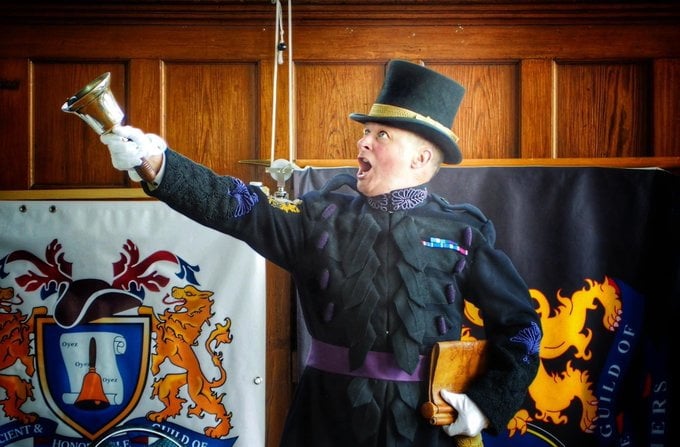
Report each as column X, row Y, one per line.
column 364, row 167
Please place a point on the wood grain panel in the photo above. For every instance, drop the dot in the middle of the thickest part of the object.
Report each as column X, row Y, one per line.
column 666, row 116
column 280, row 333
column 144, row 95
column 462, row 41
column 377, row 42
column 66, row 151
column 326, row 95
column 488, row 120
column 603, row 110
column 14, row 136
column 210, row 115
column 118, row 40
column 350, row 12
column 536, row 118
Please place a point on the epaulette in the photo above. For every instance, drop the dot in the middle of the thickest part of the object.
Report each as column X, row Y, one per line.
column 465, row 207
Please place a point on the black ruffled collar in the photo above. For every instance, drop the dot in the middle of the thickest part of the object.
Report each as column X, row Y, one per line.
column 399, row 200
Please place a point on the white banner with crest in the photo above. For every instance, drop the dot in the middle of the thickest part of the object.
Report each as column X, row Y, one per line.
column 117, row 315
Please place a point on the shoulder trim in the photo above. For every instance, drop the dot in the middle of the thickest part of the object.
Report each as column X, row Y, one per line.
column 465, row 207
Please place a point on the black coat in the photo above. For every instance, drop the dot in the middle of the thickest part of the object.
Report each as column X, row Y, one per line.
column 387, row 274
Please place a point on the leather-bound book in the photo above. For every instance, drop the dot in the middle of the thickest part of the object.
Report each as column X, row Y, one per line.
column 453, row 364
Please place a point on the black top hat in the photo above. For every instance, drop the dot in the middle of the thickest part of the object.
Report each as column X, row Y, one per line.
column 420, row 100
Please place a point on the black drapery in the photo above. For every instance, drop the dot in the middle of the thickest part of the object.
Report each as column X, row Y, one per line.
column 589, row 242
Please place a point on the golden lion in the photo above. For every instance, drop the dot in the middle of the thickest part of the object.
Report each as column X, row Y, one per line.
column 177, row 331
column 15, row 345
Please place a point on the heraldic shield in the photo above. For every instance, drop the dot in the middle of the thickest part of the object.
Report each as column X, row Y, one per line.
column 92, row 375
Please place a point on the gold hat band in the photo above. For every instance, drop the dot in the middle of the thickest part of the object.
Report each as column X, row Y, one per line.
column 388, row 111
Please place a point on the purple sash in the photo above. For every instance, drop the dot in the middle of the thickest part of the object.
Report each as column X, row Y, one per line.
column 377, row 365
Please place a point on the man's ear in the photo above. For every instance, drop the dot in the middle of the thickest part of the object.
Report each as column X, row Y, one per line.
column 423, row 156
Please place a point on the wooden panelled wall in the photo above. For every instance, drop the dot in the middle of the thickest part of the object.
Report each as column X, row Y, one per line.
column 567, row 83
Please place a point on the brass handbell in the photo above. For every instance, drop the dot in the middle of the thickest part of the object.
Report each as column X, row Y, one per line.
column 96, row 105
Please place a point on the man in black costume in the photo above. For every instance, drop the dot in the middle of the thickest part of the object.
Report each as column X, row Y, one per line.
column 381, row 274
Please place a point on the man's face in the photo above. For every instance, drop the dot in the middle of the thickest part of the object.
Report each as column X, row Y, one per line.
column 385, row 159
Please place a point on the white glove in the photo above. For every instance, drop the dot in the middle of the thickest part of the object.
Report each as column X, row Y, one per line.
column 128, row 145
column 470, row 420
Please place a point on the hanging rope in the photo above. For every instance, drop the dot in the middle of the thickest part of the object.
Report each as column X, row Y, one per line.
column 279, row 47
column 281, row 169
column 291, row 88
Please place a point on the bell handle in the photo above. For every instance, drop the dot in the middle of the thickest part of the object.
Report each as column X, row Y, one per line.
column 145, row 171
